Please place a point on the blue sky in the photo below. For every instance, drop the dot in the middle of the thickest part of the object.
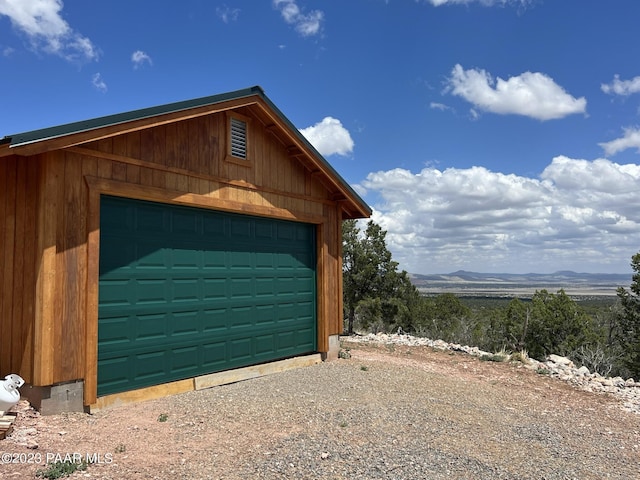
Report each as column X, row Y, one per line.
column 487, row 135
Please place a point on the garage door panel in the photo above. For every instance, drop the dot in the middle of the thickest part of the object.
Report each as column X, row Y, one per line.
column 151, row 328
column 213, row 226
column 150, row 256
column 185, row 223
column 216, row 261
column 125, row 255
column 150, row 218
column 150, row 364
column 241, row 260
column 185, row 292
column 114, row 331
column 114, row 373
column 239, row 349
column 150, row 361
column 182, row 360
column 186, row 259
column 214, row 321
column 214, row 356
column 266, row 316
column 240, row 228
column 147, row 291
column 186, row 323
column 264, row 229
column 265, row 343
column 114, row 293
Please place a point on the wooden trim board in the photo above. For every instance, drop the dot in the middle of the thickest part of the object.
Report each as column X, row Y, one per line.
column 254, row 371
column 142, row 394
column 204, row 381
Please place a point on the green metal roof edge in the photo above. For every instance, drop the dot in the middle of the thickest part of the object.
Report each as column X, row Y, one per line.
column 109, row 120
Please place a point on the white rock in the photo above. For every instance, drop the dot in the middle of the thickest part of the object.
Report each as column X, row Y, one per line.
column 564, row 361
column 583, row 371
column 618, row 381
column 557, row 366
column 607, row 382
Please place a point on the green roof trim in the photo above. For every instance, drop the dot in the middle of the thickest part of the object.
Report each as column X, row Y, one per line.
column 109, row 120
column 49, row 133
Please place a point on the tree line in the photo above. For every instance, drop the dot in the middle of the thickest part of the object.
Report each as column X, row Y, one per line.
column 378, row 297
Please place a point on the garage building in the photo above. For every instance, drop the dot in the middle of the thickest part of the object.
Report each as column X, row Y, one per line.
column 142, row 251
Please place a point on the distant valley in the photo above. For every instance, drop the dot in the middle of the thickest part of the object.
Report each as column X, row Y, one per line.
column 465, row 283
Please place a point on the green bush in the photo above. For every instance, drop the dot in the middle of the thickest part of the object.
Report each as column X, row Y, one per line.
column 61, row 469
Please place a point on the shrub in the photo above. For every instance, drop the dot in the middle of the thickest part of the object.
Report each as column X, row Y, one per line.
column 61, row 469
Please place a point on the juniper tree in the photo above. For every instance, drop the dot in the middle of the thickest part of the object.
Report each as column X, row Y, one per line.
column 557, row 324
column 371, row 279
column 628, row 335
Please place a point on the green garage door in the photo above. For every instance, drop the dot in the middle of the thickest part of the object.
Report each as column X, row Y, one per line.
column 186, row 291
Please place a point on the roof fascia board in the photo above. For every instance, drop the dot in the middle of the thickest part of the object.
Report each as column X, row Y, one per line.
column 119, row 118
column 325, row 167
column 35, row 146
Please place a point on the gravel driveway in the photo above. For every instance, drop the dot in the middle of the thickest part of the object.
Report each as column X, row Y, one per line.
column 389, row 412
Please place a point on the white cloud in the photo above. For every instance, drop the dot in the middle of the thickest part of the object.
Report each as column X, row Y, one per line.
column 139, row 58
column 439, row 106
column 530, row 94
column 630, row 139
column 329, row 137
column 306, row 24
column 98, row 83
column 622, row 87
column 579, row 214
column 42, row 23
column 227, row 14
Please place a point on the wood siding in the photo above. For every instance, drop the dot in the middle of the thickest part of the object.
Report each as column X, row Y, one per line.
column 49, row 240
column 18, row 263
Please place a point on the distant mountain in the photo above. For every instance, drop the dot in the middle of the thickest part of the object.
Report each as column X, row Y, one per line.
column 464, row 282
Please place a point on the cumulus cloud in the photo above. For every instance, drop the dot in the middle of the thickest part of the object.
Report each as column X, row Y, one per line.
column 139, row 58
column 329, row 137
column 578, row 214
column 306, row 24
column 630, row 139
column 621, row 87
column 98, row 83
column 42, row 23
column 530, row 94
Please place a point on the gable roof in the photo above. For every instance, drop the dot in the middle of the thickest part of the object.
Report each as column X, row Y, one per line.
column 66, row 135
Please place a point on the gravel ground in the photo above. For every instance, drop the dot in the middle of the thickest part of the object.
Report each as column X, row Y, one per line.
column 389, row 412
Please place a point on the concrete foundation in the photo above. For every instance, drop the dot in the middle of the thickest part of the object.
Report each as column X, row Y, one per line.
column 334, row 349
column 55, row 399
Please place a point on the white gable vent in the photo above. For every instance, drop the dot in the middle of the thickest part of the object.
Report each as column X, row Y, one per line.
column 238, row 138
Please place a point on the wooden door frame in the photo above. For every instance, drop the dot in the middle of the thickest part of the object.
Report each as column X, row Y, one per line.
column 98, row 187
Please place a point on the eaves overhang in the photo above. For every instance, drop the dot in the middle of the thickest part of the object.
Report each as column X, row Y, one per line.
column 49, row 133
column 75, row 133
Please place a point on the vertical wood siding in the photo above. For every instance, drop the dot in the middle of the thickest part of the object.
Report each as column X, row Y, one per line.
column 18, row 186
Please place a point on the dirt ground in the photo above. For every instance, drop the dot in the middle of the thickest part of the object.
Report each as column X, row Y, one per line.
column 477, row 418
